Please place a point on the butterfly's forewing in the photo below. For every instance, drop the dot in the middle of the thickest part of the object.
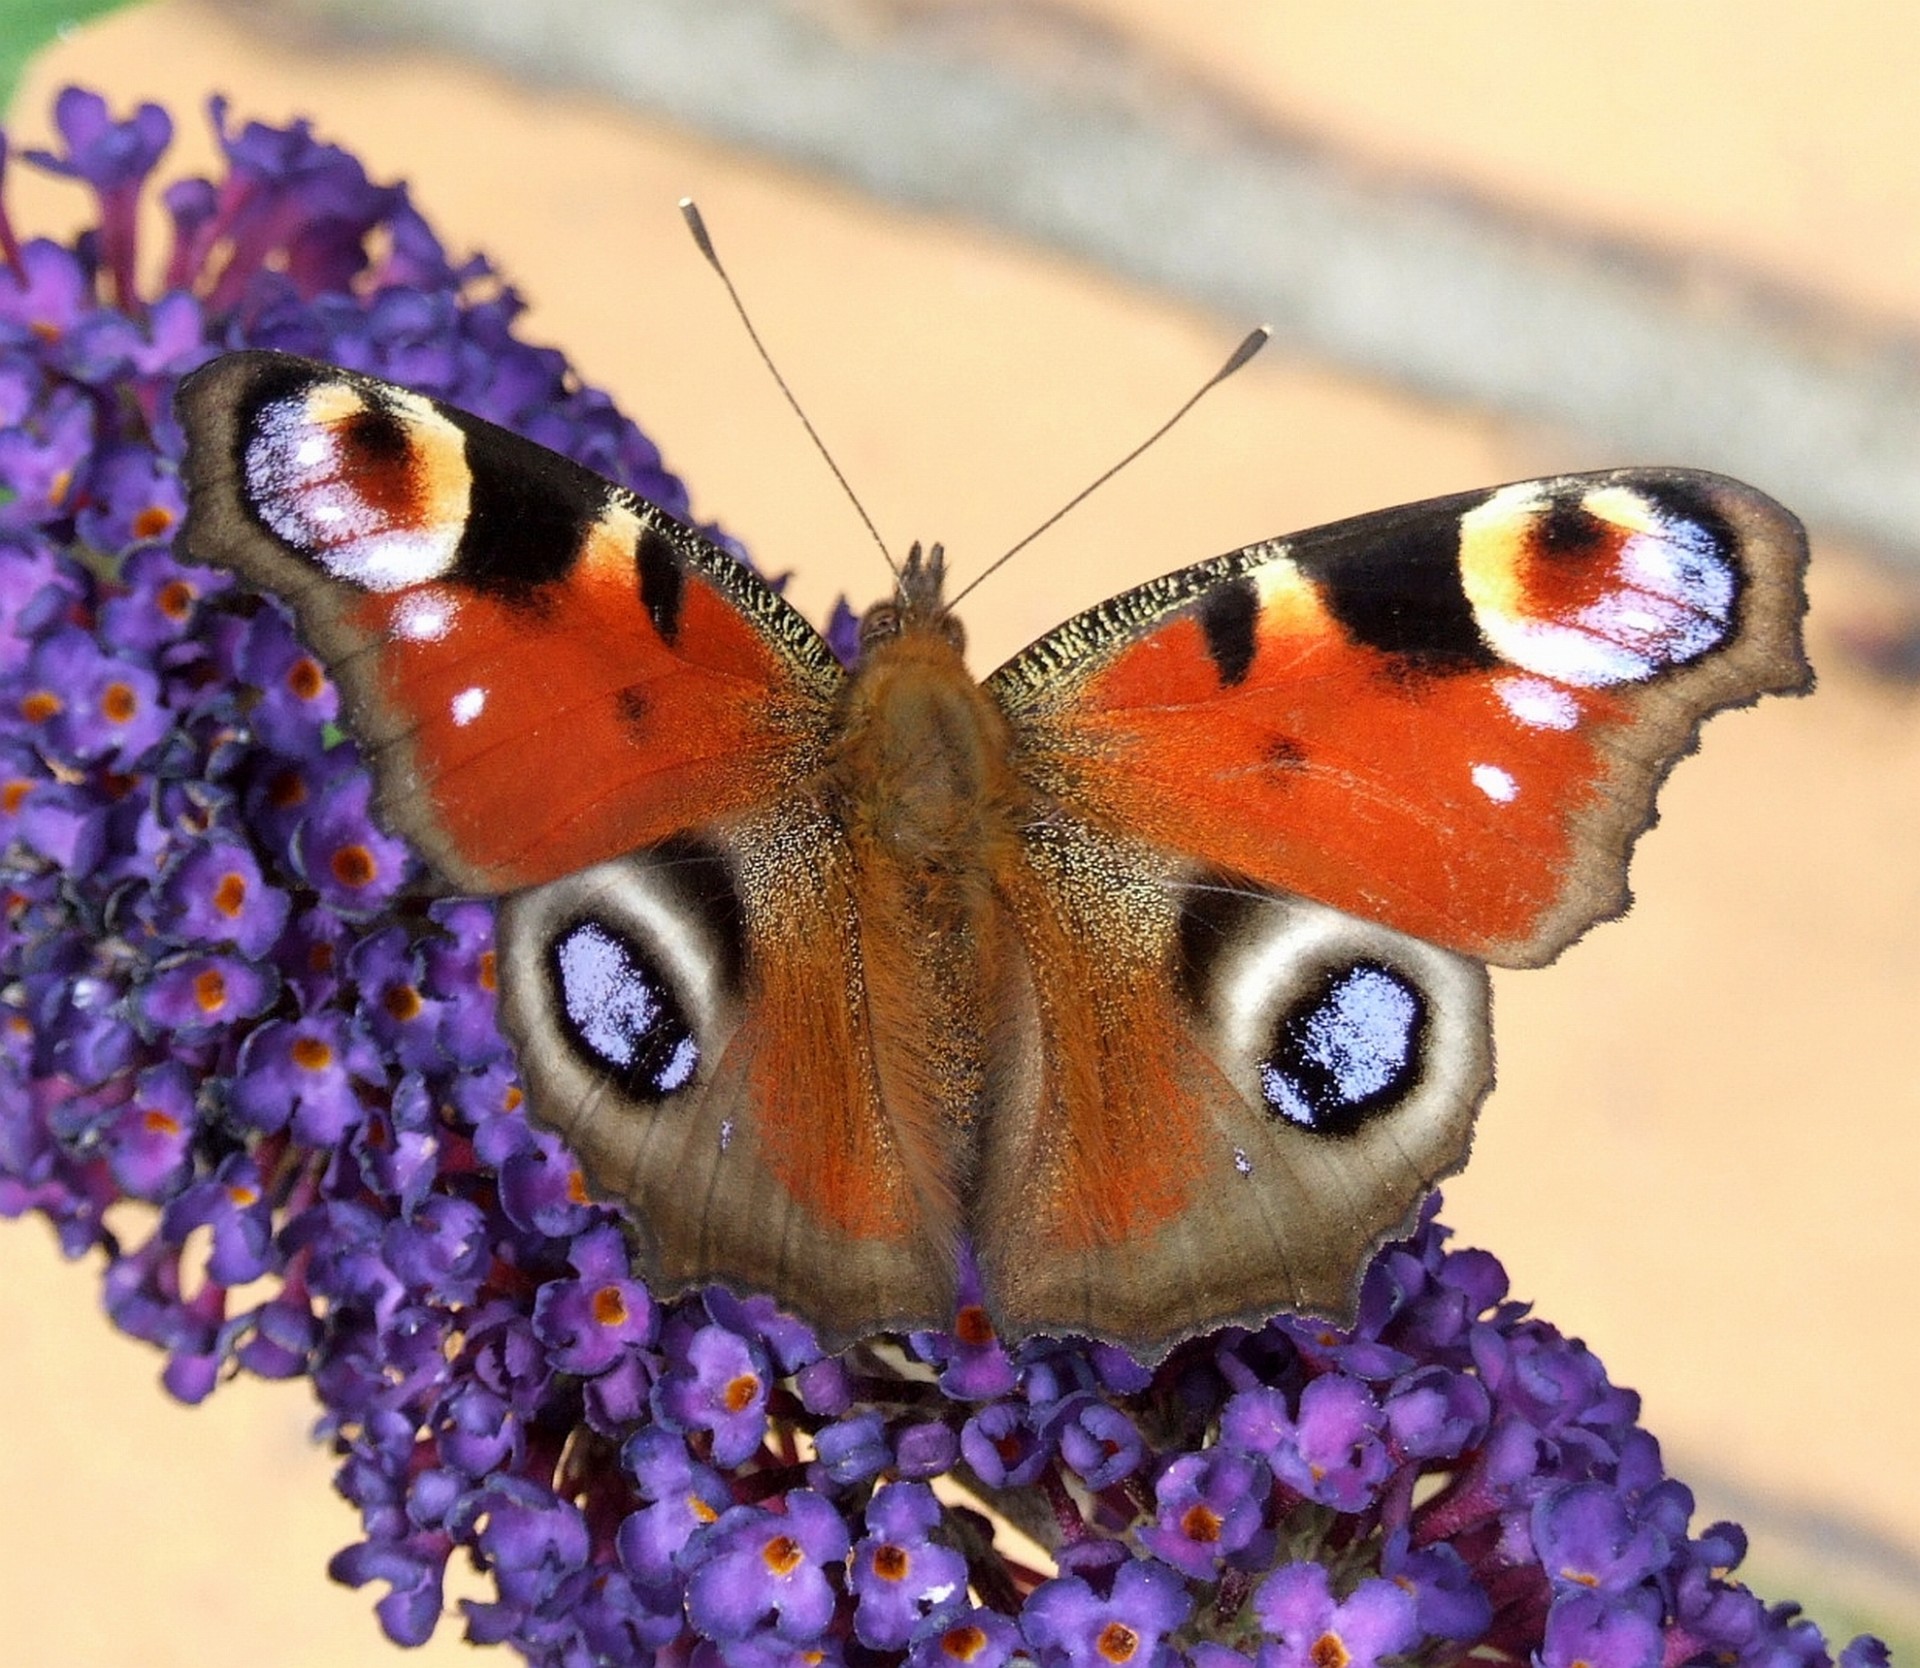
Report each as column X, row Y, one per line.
column 1450, row 718
column 1286, row 793
column 544, row 670
column 569, row 696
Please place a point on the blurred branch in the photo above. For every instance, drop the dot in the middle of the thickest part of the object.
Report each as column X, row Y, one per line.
column 1042, row 122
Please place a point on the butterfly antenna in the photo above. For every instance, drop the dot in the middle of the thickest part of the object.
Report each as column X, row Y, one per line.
column 1255, row 340
column 691, row 214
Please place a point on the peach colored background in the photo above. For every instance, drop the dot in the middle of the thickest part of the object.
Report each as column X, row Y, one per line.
column 1703, row 1153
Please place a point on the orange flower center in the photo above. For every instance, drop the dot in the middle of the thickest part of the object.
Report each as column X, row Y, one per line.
column 287, row 790
column 1200, row 1523
column 41, row 705
column 156, row 1122
column 14, row 793
column 176, row 597
column 700, row 1509
column 577, row 1193
column 1330, row 1651
column 230, row 896
column 610, row 1306
column 311, row 1054
column 210, row 990
column 353, row 866
column 739, row 1393
column 305, row 678
column 965, row 1642
column 151, row 522
column 1117, row 1642
column 118, row 704
column 402, row 1003
column 489, row 971
column 891, row 1563
column 783, row 1555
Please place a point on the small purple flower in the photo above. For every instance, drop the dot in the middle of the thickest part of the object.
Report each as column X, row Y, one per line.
column 590, row 1322
column 854, row 1448
column 1587, row 1538
column 1005, row 1446
column 1210, row 1506
column 304, row 1072
column 235, row 1204
column 762, row 1565
column 1100, row 1443
column 1332, row 1453
column 133, row 498
column 1311, row 1630
column 1067, row 1622
column 1448, row 1602
column 341, row 853
column 215, row 894
column 1603, row 1631
column 194, row 994
column 149, row 1145
column 685, row 1498
column 717, row 1382
column 971, row 1639
column 902, row 1580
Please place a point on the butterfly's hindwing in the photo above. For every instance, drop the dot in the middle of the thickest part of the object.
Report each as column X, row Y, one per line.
column 1244, row 1094
column 691, row 1024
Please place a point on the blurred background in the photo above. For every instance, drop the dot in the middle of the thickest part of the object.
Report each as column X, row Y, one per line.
column 993, row 243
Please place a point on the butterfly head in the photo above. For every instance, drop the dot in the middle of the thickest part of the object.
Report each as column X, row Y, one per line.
column 918, row 604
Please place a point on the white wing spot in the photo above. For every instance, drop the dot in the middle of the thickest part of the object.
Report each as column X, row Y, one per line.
column 1495, row 783
column 425, row 616
column 1538, row 704
column 467, row 705
column 1241, row 1162
column 726, row 1133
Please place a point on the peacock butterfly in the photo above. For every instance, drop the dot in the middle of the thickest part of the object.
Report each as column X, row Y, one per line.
column 1153, row 966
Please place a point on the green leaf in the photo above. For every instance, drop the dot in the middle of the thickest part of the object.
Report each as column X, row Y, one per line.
column 27, row 25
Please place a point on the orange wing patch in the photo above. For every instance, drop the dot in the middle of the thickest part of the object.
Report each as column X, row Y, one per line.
column 635, row 737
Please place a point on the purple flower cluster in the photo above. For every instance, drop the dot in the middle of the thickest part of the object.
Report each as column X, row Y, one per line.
column 229, row 1004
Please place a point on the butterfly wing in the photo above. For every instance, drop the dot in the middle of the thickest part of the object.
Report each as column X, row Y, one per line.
column 569, row 696
column 543, row 670
column 1450, row 718
column 1290, row 799
column 1228, row 1097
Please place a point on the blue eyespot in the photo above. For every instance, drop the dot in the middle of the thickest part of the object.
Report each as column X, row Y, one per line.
column 1347, row 1051
column 619, row 1012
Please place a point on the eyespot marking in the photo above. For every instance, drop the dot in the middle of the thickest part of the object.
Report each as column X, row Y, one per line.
column 1350, row 1048
column 1604, row 587
column 618, row 1011
column 373, row 492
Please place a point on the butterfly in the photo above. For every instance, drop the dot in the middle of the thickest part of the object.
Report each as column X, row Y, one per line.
column 1152, row 968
